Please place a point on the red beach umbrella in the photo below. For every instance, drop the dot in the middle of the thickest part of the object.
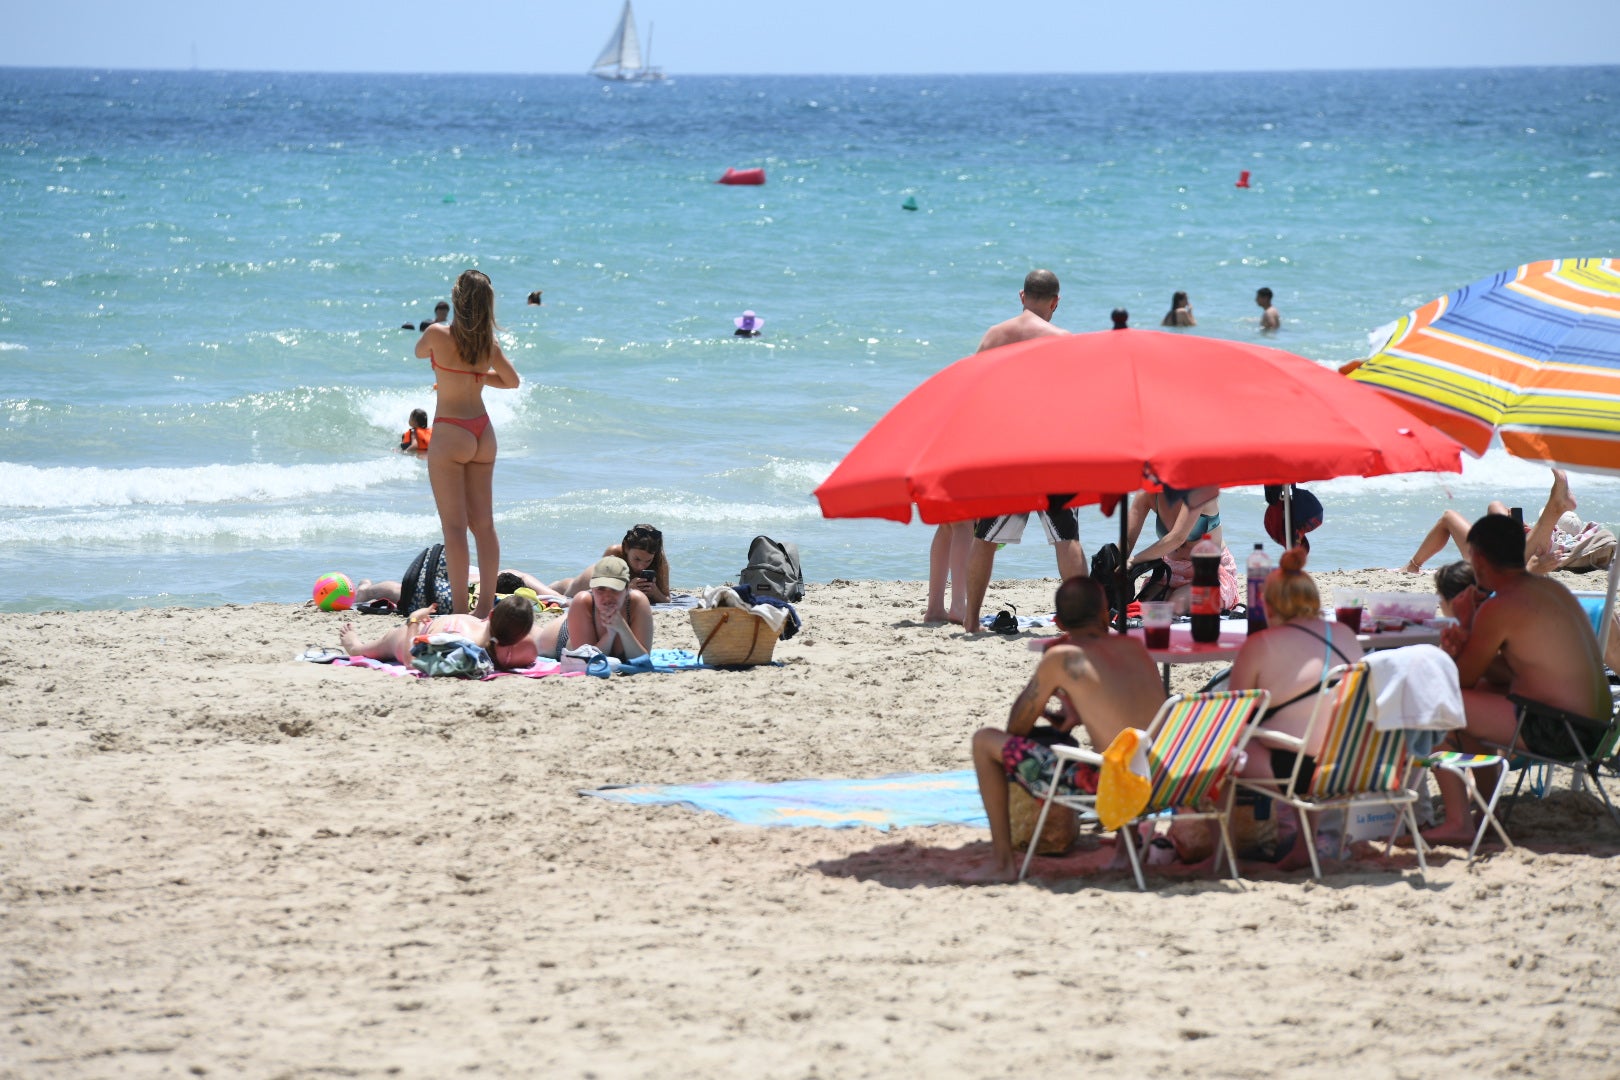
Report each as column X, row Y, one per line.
column 1109, row 413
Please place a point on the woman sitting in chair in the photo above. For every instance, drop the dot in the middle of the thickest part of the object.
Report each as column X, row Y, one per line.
column 1289, row 659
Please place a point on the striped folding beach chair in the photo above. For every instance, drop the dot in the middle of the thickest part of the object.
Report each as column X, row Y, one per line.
column 1193, row 745
column 1584, row 767
column 1465, row 765
column 1358, row 765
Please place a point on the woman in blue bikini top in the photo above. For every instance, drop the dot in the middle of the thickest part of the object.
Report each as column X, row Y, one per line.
column 1181, row 518
column 1192, row 514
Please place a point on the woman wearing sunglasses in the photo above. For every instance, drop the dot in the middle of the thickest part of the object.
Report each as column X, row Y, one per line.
column 643, row 549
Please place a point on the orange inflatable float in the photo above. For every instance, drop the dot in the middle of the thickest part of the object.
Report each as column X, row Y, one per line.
column 742, row 176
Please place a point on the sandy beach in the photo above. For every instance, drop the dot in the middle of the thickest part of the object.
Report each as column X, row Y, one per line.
column 216, row 860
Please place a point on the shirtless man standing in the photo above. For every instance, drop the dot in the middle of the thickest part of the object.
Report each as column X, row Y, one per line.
column 1105, row 682
column 1531, row 638
column 968, row 548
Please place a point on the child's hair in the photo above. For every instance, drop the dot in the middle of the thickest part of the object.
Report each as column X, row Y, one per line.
column 419, row 418
column 1452, row 579
column 512, row 618
column 1289, row 591
column 473, row 330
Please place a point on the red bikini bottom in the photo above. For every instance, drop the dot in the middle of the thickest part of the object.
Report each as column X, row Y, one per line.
column 477, row 425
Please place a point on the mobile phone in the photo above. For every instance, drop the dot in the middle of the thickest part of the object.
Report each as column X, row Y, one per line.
column 1517, row 514
column 647, row 575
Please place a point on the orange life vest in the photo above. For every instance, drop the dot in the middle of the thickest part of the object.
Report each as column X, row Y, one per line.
column 416, row 438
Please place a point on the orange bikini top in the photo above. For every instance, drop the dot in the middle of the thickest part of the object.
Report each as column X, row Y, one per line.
column 479, row 375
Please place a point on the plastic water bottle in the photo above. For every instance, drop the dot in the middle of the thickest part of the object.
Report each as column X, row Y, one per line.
column 1259, row 568
column 1206, row 591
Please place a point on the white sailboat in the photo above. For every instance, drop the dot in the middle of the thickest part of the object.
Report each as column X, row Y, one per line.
column 621, row 56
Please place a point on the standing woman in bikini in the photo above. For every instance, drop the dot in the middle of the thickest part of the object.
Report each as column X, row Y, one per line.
column 461, row 458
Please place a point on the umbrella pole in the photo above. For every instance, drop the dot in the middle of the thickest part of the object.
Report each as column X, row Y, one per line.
column 1288, row 516
column 1608, row 607
column 1122, row 576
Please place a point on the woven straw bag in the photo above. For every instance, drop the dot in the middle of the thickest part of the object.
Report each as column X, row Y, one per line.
column 1023, row 810
column 732, row 637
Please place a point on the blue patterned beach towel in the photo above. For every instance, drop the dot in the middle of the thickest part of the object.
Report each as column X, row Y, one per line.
column 884, row 802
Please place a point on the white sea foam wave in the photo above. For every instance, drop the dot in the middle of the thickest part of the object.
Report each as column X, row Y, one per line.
column 664, row 511
column 9, row 346
column 785, row 473
column 391, row 409
column 279, row 530
column 47, row 488
column 1497, row 473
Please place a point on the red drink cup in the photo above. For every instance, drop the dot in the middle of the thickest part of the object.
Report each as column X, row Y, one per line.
column 1349, row 616
column 1156, row 637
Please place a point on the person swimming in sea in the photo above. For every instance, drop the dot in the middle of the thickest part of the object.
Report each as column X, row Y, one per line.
column 418, row 435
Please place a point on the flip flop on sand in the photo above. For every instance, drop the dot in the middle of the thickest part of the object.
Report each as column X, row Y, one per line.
column 316, row 655
column 1005, row 622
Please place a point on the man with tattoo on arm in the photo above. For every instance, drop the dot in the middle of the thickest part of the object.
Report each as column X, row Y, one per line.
column 1102, row 682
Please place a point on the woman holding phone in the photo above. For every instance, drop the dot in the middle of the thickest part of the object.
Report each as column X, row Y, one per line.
column 643, row 550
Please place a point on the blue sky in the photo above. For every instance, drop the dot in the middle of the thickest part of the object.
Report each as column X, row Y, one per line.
column 827, row 36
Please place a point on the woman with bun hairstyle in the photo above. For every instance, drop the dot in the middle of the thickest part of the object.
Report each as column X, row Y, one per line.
column 1288, row 659
column 461, row 457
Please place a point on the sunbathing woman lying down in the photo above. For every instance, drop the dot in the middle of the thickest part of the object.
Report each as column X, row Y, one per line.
column 505, row 635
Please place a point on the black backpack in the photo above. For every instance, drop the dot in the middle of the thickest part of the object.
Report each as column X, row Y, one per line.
column 1105, row 570
column 773, row 570
column 426, row 581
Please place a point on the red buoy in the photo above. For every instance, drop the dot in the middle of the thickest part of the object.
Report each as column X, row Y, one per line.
column 742, row 176
column 1243, row 179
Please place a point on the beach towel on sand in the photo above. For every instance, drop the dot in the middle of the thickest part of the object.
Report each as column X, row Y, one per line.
column 885, row 802
column 659, row 660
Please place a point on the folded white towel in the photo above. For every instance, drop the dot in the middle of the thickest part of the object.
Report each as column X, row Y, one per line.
column 1415, row 687
column 725, row 596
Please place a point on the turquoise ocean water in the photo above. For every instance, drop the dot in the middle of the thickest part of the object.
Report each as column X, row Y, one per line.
column 203, row 276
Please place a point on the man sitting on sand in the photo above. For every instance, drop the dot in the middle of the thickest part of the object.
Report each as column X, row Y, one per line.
column 1531, row 638
column 1103, row 681
column 505, row 636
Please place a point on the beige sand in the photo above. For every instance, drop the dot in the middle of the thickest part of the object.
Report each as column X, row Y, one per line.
column 218, row 861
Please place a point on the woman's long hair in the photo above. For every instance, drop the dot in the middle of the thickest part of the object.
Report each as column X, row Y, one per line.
column 1177, row 302
column 649, row 539
column 473, row 330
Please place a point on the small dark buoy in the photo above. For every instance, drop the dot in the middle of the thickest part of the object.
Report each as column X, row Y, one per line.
column 910, row 203
column 1243, row 179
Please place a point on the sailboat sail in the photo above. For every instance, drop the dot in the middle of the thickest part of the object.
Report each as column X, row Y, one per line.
column 623, row 49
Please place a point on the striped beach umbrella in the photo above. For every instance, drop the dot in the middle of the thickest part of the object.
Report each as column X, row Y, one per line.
column 1531, row 354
